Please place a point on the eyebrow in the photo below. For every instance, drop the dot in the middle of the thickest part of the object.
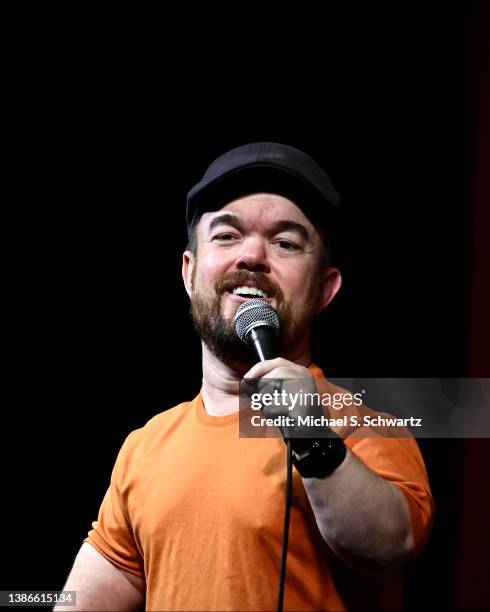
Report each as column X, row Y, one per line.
column 288, row 225
column 279, row 226
column 225, row 219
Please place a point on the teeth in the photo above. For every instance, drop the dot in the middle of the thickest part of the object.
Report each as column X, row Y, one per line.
column 249, row 291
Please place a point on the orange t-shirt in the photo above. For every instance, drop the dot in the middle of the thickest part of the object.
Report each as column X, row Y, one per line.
column 198, row 512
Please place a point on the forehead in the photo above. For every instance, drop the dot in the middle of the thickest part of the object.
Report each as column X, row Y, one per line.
column 261, row 210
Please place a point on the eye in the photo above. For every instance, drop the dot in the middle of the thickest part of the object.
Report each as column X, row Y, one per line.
column 224, row 236
column 287, row 245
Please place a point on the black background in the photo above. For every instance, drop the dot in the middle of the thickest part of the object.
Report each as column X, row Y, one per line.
column 110, row 132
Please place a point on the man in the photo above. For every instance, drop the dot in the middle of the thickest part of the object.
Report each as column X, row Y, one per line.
column 192, row 519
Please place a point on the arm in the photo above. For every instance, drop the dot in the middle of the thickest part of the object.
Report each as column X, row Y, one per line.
column 100, row 585
column 362, row 517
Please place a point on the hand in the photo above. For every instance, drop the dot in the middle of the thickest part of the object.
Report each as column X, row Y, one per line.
column 278, row 368
column 294, row 397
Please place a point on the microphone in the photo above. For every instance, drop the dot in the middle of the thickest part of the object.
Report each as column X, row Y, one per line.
column 257, row 324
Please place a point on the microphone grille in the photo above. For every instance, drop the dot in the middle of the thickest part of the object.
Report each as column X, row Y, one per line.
column 254, row 313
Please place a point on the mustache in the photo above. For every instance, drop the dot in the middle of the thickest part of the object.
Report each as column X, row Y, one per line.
column 258, row 279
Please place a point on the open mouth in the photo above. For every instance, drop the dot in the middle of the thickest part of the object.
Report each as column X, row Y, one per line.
column 248, row 292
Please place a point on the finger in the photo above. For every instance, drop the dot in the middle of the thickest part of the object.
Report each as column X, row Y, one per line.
column 264, row 367
column 290, row 371
column 283, row 372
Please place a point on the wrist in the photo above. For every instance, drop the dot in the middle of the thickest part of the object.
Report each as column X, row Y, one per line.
column 318, row 457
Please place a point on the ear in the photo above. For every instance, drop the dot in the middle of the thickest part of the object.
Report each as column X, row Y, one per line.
column 330, row 283
column 188, row 263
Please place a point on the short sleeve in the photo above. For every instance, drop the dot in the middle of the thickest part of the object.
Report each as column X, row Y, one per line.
column 400, row 461
column 112, row 533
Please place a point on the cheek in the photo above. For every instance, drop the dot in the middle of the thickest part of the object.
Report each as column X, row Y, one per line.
column 297, row 283
column 210, row 268
column 302, row 289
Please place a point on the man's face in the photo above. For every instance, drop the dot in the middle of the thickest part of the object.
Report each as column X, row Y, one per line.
column 262, row 241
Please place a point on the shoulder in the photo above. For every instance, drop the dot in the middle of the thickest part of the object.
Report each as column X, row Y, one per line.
column 140, row 442
column 393, row 458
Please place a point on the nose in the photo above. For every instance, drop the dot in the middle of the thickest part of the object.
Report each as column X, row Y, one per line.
column 253, row 255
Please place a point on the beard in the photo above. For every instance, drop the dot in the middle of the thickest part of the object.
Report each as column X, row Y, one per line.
column 219, row 333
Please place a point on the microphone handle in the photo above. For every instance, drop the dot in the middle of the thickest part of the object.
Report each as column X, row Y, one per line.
column 264, row 341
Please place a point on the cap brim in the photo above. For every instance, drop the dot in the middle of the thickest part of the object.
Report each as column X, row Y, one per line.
column 214, row 194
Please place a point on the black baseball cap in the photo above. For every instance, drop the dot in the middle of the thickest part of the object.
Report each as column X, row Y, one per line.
column 265, row 167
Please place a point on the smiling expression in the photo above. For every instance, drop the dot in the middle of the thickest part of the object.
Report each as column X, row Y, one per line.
column 258, row 246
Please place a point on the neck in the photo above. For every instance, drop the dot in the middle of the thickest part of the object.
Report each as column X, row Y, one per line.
column 220, row 382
